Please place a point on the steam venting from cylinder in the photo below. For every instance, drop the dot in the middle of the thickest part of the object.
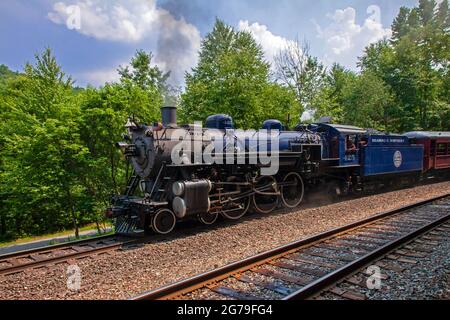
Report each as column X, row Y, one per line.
column 169, row 116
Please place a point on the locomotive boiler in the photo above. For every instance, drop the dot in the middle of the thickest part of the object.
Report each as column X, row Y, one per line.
column 191, row 171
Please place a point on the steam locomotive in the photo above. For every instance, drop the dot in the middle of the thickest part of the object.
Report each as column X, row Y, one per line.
column 194, row 188
column 194, row 172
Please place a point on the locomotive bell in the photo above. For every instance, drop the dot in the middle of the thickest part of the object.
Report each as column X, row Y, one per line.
column 131, row 125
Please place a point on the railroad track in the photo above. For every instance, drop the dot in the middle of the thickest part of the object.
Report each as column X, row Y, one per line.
column 302, row 269
column 60, row 253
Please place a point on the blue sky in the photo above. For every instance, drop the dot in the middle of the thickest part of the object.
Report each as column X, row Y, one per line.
column 106, row 33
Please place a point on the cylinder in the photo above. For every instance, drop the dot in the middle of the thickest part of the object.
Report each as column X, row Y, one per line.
column 169, row 116
column 178, row 188
column 179, row 207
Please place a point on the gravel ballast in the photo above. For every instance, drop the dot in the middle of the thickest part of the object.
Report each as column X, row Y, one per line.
column 423, row 278
column 124, row 274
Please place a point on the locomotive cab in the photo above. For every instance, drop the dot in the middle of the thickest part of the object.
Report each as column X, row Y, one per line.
column 341, row 143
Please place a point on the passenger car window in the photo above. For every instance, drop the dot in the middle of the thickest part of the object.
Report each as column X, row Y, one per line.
column 433, row 148
column 441, row 149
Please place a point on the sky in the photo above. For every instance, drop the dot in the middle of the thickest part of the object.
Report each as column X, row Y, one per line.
column 92, row 38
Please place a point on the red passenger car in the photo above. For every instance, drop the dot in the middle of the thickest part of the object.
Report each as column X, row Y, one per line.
column 436, row 149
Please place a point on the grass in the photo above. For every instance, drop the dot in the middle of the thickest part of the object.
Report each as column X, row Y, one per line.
column 69, row 233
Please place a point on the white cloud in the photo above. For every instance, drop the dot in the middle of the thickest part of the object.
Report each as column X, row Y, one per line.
column 125, row 21
column 271, row 44
column 139, row 23
column 345, row 40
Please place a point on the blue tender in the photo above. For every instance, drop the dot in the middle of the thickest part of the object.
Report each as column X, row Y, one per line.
column 388, row 154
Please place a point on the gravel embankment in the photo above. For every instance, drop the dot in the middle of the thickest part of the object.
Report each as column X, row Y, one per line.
column 123, row 274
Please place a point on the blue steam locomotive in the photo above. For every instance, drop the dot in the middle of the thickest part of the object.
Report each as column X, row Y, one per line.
column 185, row 172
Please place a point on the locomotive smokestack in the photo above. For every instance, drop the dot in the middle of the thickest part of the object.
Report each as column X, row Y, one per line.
column 169, row 116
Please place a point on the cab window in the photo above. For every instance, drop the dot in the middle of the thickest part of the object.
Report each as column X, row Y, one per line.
column 350, row 143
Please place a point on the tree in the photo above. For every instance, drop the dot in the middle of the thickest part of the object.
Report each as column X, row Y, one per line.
column 5, row 75
column 149, row 78
column 42, row 158
column 232, row 77
column 426, row 10
column 302, row 73
column 142, row 73
column 400, row 26
column 414, row 66
column 279, row 103
column 368, row 103
column 103, row 114
column 58, row 161
column 330, row 100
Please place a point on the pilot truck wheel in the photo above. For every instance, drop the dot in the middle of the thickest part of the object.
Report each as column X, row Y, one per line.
column 163, row 221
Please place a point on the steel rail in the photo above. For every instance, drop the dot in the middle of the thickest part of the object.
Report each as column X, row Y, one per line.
column 54, row 246
column 203, row 280
column 40, row 262
column 328, row 280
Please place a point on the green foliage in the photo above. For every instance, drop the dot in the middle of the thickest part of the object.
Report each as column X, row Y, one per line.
column 363, row 100
column 42, row 156
column 5, row 75
column 330, row 100
column 302, row 73
column 142, row 74
column 415, row 66
column 368, row 103
column 232, row 77
column 58, row 161
column 403, row 84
